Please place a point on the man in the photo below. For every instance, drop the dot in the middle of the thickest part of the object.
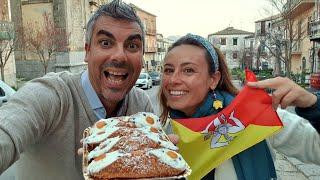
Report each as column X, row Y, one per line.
column 42, row 124
column 287, row 93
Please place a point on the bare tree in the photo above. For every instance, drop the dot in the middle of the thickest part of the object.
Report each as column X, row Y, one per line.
column 6, row 45
column 284, row 35
column 45, row 40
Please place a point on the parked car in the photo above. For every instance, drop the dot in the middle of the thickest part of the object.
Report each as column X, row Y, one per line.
column 155, row 76
column 5, row 92
column 144, row 81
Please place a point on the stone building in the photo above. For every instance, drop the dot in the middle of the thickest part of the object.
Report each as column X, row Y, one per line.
column 162, row 49
column 149, row 22
column 231, row 43
column 71, row 16
column 302, row 16
column 302, row 13
column 68, row 15
column 6, row 42
column 265, row 37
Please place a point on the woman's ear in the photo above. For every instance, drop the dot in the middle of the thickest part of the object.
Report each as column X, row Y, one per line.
column 215, row 78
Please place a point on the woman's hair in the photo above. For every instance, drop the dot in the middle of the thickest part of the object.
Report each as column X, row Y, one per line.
column 224, row 84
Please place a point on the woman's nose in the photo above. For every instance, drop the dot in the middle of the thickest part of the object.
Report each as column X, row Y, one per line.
column 175, row 78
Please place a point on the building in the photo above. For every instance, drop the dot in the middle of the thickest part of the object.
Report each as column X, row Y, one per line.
column 302, row 13
column 315, row 38
column 248, row 54
column 149, row 22
column 162, row 48
column 6, row 43
column 67, row 15
column 70, row 16
column 231, row 43
column 266, row 36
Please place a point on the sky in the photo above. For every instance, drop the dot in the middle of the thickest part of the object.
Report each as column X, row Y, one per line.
column 203, row 17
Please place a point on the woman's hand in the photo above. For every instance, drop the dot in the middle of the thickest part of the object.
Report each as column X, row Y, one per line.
column 286, row 92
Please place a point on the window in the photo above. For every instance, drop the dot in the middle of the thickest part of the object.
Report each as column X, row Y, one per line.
column 223, row 41
column 235, row 41
column 2, row 93
column 234, row 55
column 263, row 28
column 309, row 26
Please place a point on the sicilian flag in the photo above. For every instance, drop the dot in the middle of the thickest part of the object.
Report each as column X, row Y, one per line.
column 208, row 141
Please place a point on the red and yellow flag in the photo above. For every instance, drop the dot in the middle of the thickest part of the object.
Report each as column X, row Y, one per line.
column 208, row 141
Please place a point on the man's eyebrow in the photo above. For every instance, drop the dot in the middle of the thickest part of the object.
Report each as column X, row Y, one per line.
column 106, row 33
column 167, row 64
column 134, row 36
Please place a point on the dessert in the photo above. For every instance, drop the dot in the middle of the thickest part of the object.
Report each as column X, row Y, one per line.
column 130, row 147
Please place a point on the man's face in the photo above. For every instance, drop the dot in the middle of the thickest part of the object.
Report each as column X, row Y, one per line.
column 114, row 58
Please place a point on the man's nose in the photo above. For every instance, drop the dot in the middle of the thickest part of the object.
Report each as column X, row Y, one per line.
column 119, row 53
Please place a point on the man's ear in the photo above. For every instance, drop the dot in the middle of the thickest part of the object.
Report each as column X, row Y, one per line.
column 215, row 78
column 87, row 48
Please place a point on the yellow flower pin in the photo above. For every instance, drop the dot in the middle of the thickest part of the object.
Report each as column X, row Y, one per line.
column 217, row 104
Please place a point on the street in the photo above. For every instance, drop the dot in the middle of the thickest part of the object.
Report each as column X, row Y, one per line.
column 287, row 168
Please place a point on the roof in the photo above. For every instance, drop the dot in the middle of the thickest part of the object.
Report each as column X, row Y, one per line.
column 231, row 31
column 274, row 17
column 250, row 36
column 136, row 7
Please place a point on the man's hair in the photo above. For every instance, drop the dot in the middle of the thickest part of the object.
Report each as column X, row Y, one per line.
column 115, row 9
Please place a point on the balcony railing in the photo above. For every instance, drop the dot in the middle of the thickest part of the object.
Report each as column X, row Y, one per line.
column 150, row 49
column 6, row 30
column 315, row 30
column 151, row 31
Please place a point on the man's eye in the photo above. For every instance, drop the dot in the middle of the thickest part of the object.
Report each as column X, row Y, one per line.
column 188, row 70
column 133, row 47
column 105, row 43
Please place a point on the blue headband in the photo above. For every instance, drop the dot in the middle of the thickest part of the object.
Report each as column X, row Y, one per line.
column 208, row 46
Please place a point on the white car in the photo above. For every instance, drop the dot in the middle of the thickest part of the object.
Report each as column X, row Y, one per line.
column 144, row 81
column 5, row 92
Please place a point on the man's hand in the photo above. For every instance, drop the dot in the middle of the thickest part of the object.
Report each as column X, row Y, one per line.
column 286, row 93
column 174, row 138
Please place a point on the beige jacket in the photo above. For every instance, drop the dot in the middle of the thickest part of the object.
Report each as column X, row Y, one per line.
column 42, row 124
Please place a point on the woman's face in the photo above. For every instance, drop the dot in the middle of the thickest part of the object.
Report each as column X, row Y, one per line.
column 186, row 80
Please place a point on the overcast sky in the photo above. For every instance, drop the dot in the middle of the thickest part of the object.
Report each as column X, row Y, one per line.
column 203, row 17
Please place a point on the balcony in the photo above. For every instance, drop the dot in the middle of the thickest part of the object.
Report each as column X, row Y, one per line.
column 315, row 30
column 151, row 32
column 296, row 48
column 160, row 49
column 150, row 49
column 297, row 7
column 6, row 30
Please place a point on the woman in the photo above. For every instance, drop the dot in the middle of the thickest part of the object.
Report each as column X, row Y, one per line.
column 195, row 77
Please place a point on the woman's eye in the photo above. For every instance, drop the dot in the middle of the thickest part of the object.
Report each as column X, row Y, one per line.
column 168, row 71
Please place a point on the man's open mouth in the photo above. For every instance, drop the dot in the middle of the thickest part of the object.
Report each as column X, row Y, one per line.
column 115, row 76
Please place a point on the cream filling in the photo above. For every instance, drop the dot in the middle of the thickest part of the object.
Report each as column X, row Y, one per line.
column 177, row 162
column 96, row 166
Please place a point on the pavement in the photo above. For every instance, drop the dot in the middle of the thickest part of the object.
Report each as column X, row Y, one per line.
column 289, row 168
